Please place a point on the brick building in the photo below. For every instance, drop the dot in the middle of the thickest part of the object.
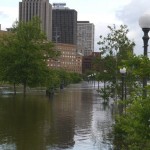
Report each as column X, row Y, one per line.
column 69, row 59
column 87, row 61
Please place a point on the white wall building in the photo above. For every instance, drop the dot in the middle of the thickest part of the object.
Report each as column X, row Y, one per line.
column 85, row 37
column 40, row 8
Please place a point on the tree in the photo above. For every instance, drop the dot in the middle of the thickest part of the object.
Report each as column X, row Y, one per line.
column 24, row 53
column 132, row 130
column 115, row 49
column 116, row 42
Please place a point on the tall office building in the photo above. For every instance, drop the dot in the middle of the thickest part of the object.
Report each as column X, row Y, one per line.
column 64, row 24
column 40, row 8
column 85, row 37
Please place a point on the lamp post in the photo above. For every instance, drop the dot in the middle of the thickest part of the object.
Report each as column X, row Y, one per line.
column 89, row 78
column 123, row 72
column 144, row 22
column 92, row 76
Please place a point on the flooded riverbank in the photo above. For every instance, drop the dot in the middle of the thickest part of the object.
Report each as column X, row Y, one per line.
column 74, row 119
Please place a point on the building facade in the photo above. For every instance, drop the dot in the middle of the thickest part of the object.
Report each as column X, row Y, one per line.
column 85, row 37
column 64, row 24
column 40, row 8
column 69, row 59
column 87, row 61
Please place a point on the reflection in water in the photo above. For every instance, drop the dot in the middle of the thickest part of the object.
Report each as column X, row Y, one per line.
column 73, row 120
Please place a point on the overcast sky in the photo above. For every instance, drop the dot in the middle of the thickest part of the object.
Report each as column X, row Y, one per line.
column 100, row 12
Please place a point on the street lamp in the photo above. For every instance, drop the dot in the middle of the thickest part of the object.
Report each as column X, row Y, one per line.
column 144, row 22
column 94, row 74
column 123, row 72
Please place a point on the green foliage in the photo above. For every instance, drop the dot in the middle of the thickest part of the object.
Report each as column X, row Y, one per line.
column 58, row 77
column 132, row 130
column 75, row 77
column 105, row 93
column 53, row 79
column 64, row 77
column 137, row 69
column 23, row 54
column 139, row 65
column 116, row 42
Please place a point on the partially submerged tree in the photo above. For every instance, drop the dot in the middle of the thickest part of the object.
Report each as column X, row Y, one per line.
column 115, row 49
column 24, row 53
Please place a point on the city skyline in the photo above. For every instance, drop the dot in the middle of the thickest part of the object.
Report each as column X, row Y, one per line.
column 100, row 13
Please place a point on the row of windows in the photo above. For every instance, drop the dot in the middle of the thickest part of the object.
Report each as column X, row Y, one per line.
column 77, row 69
column 77, row 61
column 65, row 64
column 68, row 56
column 70, row 63
column 68, row 51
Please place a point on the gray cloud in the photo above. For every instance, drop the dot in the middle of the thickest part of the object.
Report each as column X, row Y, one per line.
column 130, row 15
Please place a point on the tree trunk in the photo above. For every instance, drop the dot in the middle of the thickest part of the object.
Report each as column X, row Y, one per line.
column 24, row 88
column 14, row 89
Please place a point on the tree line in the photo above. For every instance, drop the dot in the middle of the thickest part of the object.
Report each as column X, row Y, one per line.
column 24, row 52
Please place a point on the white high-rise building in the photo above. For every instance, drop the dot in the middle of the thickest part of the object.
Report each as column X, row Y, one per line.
column 85, row 37
column 40, row 8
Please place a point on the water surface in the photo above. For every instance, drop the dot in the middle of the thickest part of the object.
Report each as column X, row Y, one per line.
column 74, row 119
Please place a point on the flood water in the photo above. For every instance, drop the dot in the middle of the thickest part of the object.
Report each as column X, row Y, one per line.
column 75, row 119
